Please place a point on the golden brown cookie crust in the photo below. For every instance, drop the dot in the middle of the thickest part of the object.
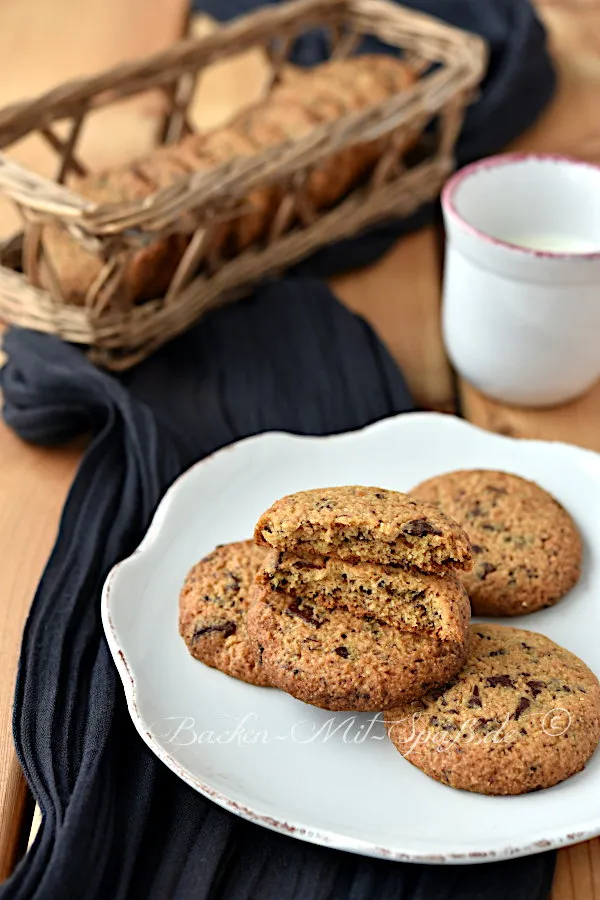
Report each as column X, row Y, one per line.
column 411, row 601
column 526, row 548
column 337, row 661
column 213, row 607
column 368, row 524
column 523, row 714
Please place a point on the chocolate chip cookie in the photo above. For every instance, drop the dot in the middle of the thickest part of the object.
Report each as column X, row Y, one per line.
column 365, row 524
column 526, row 547
column 523, row 714
column 335, row 660
column 213, row 605
column 411, row 601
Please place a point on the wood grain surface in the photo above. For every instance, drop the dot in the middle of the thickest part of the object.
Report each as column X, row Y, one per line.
column 571, row 125
column 400, row 296
column 33, row 486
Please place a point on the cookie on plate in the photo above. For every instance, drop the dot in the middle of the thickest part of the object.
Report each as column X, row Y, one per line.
column 366, row 524
column 526, row 547
column 213, row 605
column 412, row 601
column 335, row 660
column 523, row 714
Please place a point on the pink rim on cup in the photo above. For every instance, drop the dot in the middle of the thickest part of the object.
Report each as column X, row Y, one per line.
column 521, row 309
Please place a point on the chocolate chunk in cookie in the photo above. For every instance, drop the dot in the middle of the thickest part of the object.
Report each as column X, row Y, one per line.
column 336, row 660
column 409, row 600
column 213, row 605
column 523, row 714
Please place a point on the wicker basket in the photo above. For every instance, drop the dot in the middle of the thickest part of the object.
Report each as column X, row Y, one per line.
column 449, row 63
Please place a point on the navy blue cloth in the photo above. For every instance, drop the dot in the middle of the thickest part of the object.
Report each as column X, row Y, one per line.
column 116, row 823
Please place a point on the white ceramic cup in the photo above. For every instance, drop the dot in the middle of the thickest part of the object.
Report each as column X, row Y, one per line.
column 523, row 324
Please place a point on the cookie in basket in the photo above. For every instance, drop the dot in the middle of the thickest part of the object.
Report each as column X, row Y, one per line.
column 213, row 607
column 336, row 88
column 146, row 273
column 301, row 102
column 526, row 548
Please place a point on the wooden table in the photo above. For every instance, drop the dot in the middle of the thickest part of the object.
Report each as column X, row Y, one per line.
column 400, row 296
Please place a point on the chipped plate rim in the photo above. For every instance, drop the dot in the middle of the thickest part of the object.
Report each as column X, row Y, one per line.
column 553, row 840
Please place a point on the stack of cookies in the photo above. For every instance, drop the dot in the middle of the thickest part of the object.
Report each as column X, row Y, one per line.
column 357, row 605
column 356, row 599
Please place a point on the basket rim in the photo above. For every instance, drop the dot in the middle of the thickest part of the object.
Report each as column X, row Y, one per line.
column 446, row 65
column 219, row 42
column 48, row 201
column 105, row 329
column 233, row 179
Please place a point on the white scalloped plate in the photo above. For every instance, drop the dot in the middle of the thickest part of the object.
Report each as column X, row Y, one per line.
column 334, row 778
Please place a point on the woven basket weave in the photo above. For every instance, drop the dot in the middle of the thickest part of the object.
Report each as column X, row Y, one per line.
column 449, row 63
